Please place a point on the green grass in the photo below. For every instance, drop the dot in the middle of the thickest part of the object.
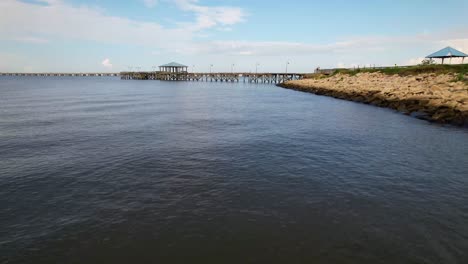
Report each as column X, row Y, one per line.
column 459, row 69
column 461, row 77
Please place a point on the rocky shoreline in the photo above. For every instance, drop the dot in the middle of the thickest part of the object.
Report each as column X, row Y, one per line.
column 436, row 98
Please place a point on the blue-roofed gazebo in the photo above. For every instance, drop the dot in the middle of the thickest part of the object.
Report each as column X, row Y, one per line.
column 173, row 67
column 447, row 52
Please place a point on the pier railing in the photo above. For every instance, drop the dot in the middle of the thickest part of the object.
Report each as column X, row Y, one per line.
column 213, row 77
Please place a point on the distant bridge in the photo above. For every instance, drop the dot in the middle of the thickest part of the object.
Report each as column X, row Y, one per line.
column 213, row 77
column 60, row 74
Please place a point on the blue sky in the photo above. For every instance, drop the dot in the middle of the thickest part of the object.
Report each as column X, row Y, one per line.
column 111, row 36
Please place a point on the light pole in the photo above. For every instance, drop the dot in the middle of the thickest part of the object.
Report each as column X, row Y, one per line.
column 211, row 68
column 256, row 67
column 287, row 63
column 232, row 68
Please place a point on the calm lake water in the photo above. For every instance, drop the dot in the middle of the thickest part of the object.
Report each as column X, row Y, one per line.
column 100, row 170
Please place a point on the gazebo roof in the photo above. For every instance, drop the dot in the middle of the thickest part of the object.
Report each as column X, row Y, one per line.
column 173, row 64
column 447, row 52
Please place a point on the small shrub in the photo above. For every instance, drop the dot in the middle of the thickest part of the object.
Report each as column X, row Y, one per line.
column 427, row 62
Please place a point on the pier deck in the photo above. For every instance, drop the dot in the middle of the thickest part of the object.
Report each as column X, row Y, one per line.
column 213, row 77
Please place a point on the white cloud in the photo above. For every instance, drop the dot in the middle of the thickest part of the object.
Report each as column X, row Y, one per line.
column 245, row 53
column 50, row 2
column 460, row 44
column 225, row 29
column 30, row 39
column 414, row 61
column 207, row 17
column 150, row 3
column 106, row 63
column 356, row 49
column 270, row 48
column 14, row 63
column 28, row 69
column 56, row 20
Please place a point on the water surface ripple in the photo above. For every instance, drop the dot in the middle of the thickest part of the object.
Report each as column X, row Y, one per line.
column 99, row 170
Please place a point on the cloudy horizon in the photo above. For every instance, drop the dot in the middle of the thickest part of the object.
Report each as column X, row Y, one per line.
column 112, row 36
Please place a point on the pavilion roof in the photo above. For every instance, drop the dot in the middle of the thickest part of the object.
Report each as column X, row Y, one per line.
column 173, row 64
column 447, row 52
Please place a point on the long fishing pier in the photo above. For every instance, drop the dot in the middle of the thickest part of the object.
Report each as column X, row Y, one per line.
column 59, row 74
column 180, row 76
column 213, row 77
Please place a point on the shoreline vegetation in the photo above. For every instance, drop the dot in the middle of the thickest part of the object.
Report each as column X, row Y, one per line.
column 437, row 93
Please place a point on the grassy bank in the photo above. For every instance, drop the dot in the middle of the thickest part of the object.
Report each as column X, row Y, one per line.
column 459, row 71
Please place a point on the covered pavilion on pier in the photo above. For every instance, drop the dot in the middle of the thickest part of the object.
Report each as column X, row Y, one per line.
column 173, row 67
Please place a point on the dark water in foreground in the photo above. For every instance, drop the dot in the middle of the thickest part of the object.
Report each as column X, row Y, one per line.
column 96, row 170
